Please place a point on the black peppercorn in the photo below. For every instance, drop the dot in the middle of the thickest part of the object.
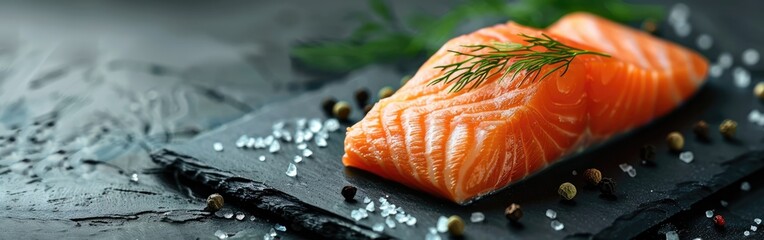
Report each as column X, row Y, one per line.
column 513, row 212
column 214, row 202
column 607, row 186
column 348, row 192
column 701, row 130
column 328, row 105
column 647, row 154
column 362, row 97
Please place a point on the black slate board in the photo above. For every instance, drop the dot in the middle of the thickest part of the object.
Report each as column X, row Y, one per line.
column 654, row 195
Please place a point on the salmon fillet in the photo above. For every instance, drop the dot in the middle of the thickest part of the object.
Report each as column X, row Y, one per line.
column 466, row 144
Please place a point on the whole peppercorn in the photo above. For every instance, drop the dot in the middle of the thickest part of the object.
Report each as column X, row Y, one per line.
column 647, row 154
column 728, row 128
column 607, row 186
column 758, row 90
column 348, row 192
column 341, row 110
column 567, row 191
column 593, row 176
column 362, row 97
column 455, row 225
column 719, row 221
column 513, row 212
column 649, row 26
column 701, row 130
column 367, row 108
column 675, row 141
column 386, row 92
column 214, row 202
column 328, row 105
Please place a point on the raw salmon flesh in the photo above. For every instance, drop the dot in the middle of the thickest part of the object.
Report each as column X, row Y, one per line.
column 466, row 144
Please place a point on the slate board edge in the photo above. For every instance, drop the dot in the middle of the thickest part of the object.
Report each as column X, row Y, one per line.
column 256, row 196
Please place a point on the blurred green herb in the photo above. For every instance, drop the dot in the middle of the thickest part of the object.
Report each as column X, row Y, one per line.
column 383, row 38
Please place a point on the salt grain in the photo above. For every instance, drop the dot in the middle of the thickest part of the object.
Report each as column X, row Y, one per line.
column 574, row 173
column 745, row 186
column 240, row 216
column 302, row 146
column 672, row 235
column 704, row 41
column 134, row 177
column 366, row 200
column 679, row 13
column 297, row 159
column 370, row 207
column 242, row 141
column 686, row 156
column 218, row 147
column 390, row 223
column 280, row 228
column 709, row 214
column 551, row 214
column 683, row 29
column 307, row 153
column 274, row 147
column 557, row 225
column 411, row 221
column 331, row 125
column 747, row 233
column 477, row 217
column 723, row 203
column 625, row 167
column 314, row 125
column 378, row 227
column 725, row 60
column 268, row 140
column 291, row 170
column 742, row 77
column 716, row 70
column 757, row 221
column 750, row 57
column 300, row 123
column 321, row 142
column 442, row 225
column 278, row 125
column 632, row 172
column 220, row 234
column 754, row 228
column 432, row 235
column 261, row 158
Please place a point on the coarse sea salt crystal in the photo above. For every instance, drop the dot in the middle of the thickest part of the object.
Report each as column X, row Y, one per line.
column 240, row 216
column 715, row 70
column 261, row 158
column 672, row 235
column 557, row 225
column 750, row 57
column 632, row 172
column 134, row 177
column 302, row 146
column 300, row 123
column 551, row 214
column 724, row 203
column 307, row 153
column 314, row 125
column 251, row 143
column 757, row 221
column 442, row 225
column 220, row 234
column 370, row 207
column 356, row 215
column 401, row 217
column 477, row 217
column 242, row 141
column 709, row 214
column 297, row 159
column 742, row 77
column 747, row 233
column 725, row 60
column 331, row 124
column 321, row 142
column 686, row 157
column 625, row 167
column 683, row 29
column 278, row 125
column 754, row 228
column 280, row 228
column 679, row 13
column 275, row 147
column 218, row 147
column 432, row 235
column 378, row 227
column 745, row 186
column 307, row 135
column 704, row 41
column 268, row 140
column 390, row 223
column 291, row 170
column 411, row 221
column 299, row 137
column 366, row 200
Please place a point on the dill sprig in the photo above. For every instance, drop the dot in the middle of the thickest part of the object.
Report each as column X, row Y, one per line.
column 509, row 58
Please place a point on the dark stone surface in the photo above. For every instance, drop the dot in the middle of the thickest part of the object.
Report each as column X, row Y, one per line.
column 653, row 196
